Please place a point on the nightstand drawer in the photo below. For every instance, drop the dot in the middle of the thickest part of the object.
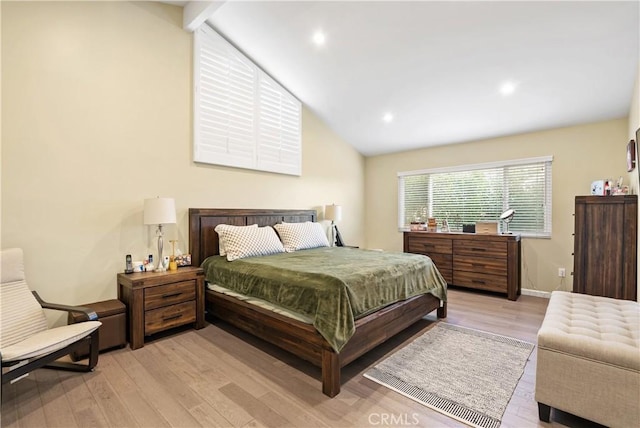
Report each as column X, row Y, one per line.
column 168, row 317
column 169, row 294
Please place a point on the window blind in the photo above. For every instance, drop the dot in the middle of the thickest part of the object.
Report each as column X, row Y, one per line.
column 473, row 193
column 242, row 117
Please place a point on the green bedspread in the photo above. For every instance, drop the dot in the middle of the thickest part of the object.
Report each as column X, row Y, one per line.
column 333, row 286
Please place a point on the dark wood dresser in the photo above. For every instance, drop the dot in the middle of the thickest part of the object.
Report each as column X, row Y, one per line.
column 605, row 258
column 483, row 262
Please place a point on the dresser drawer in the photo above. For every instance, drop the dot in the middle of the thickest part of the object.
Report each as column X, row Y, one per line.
column 426, row 244
column 447, row 274
column 481, row 281
column 480, row 248
column 488, row 265
column 169, row 294
column 170, row 316
column 444, row 264
column 442, row 261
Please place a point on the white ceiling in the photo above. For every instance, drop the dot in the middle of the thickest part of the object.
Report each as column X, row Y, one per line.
column 437, row 66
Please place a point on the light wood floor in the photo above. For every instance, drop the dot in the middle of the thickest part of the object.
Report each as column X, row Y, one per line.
column 220, row 377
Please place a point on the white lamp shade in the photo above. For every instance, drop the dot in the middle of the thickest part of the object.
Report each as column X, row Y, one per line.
column 333, row 212
column 159, row 211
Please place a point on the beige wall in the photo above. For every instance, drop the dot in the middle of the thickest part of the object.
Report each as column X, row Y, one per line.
column 581, row 154
column 97, row 117
column 634, row 176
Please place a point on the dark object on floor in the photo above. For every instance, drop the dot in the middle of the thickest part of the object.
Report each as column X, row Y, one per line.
column 112, row 315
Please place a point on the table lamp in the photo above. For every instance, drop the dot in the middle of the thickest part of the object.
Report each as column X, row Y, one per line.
column 159, row 211
column 333, row 212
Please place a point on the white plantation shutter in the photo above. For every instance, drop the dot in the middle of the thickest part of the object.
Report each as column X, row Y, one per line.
column 279, row 139
column 471, row 193
column 224, row 109
column 242, row 117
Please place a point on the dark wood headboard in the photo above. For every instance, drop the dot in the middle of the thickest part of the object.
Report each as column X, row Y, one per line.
column 203, row 240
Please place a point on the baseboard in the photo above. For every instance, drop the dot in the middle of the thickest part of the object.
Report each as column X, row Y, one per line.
column 536, row 293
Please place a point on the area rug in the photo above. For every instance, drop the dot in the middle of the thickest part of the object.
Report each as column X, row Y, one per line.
column 467, row 374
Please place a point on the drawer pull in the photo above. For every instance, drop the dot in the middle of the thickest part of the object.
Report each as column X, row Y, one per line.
column 478, row 249
column 172, row 317
column 478, row 281
column 477, row 265
column 167, row 295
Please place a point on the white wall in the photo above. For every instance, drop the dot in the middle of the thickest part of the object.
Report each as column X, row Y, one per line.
column 97, row 116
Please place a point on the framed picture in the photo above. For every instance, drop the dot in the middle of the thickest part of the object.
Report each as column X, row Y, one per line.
column 631, row 154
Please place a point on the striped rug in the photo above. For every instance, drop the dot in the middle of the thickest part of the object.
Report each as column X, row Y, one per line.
column 467, row 374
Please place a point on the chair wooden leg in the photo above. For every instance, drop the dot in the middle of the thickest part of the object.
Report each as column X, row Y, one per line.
column 94, row 349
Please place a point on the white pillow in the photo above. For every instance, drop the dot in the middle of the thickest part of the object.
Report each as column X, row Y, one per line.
column 300, row 236
column 221, row 247
column 249, row 241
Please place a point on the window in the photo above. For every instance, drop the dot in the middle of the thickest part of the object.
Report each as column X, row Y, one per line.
column 472, row 193
column 242, row 117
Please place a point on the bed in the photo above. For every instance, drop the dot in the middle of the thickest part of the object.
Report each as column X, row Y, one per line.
column 300, row 338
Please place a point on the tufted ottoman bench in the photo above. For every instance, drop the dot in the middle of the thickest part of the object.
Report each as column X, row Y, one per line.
column 589, row 359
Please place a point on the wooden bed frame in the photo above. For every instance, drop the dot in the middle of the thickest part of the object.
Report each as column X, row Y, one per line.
column 294, row 336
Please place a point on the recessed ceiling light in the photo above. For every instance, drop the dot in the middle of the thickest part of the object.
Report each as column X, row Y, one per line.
column 319, row 38
column 508, row 88
column 388, row 117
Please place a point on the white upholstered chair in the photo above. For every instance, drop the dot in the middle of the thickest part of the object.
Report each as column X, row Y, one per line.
column 26, row 342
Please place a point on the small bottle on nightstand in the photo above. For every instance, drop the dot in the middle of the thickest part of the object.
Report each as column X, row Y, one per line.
column 149, row 266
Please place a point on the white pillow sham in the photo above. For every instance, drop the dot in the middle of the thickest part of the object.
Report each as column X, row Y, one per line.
column 301, row 236
column 245, row 242
column 221, row 248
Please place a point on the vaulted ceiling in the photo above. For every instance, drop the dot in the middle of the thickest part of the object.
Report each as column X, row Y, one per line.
column 442, row 72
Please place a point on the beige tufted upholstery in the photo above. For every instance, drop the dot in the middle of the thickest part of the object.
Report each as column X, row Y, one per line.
column 589, row 358
column 602, row 329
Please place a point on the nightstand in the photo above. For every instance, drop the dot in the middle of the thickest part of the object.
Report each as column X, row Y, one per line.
column 158, row 301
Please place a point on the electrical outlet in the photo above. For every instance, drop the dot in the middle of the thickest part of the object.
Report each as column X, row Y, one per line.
column 562, row 272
